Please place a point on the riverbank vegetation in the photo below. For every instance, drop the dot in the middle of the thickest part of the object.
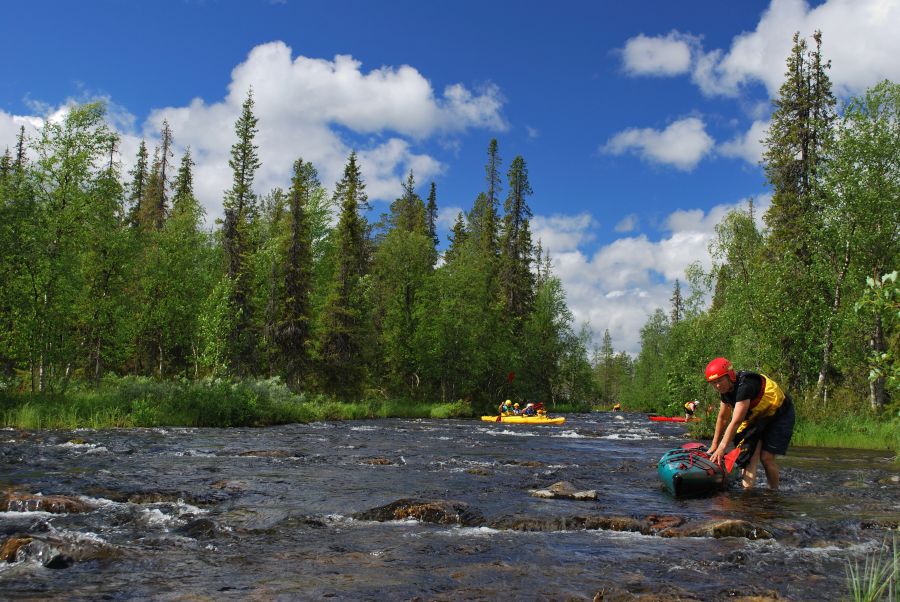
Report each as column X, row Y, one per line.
column 806, row 291
column 118, row 307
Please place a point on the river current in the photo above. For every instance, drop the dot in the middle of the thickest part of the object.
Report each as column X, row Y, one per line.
column 310, row 512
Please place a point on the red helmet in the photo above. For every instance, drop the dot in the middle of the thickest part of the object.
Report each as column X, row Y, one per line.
column 718, row 368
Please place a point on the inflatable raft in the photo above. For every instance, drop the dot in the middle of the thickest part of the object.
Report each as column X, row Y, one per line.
column 671, row 419
column 525, row 419
column 687, row 471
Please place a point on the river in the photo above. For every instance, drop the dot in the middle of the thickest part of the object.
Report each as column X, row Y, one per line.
column 422, row 510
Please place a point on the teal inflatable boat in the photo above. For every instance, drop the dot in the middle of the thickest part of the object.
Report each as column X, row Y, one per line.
column 687, row 471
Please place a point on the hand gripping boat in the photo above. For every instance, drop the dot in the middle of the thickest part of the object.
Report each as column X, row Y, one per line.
column 687, row 471
column 525, row 419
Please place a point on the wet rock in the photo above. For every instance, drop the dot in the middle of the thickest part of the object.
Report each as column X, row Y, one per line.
column 377, row 461
column 569, row 523
column 439, row 512
column 59, row 561
column 482, row 472
column 718, row 529
column 201, row 527
column 855, row 485
column 61, row 550
column 880, row 524
column 660, row 522
column 267, row 453
column 11, row 546
column 55, row 504
column 229, row 485
column 527, row 463
column 564, row 490
column 891, row 480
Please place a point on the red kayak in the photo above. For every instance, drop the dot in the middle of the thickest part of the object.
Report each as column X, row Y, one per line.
column 671, row 419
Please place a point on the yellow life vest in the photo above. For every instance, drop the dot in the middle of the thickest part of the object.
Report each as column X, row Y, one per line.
column 765, row 404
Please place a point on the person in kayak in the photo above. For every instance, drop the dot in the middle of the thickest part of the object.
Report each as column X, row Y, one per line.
column 529, row 410
column 505, row 408
column 756, row 414
column 689, row 409
column 516, row 411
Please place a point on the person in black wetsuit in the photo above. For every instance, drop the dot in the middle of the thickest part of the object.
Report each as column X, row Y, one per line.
column 756, row 414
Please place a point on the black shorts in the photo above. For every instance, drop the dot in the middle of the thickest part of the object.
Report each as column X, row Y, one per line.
column 777, row 434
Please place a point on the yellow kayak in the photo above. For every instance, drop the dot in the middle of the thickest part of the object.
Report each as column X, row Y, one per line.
column 525, row 419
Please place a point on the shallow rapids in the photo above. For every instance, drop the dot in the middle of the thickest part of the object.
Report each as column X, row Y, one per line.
column 274, row 514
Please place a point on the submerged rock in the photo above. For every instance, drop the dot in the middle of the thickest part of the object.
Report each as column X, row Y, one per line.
column 440, row 512
column 718, row 529
column 565, row 490
column 570, row 523
column 57, row 550
column 55, row 504
column 267, row 453
column 376, row 461
column 11, row 546
column 201, row 527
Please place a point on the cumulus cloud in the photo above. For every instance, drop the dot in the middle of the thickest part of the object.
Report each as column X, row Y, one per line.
column 659, row 55
column 621, row 284
column 859, row 37
column 749, row 145
column 303, row 104
column 682, row 144
column 312, row 108
column 627, row 223
column 10, row 125
column 562, row 233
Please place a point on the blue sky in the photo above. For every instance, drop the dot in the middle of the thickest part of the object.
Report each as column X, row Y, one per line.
column 639, row 121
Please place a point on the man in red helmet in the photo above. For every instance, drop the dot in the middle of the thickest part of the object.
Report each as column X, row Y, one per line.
column 756, row 414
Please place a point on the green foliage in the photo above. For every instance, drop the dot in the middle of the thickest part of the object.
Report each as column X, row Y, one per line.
column 882, row 298
column 879, row 577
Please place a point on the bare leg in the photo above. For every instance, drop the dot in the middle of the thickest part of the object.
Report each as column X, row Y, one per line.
column 771, row 468
column 749, row 475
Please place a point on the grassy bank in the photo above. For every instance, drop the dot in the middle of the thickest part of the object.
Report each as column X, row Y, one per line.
column 143, row 402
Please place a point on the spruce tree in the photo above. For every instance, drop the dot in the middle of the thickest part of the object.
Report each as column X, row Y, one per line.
column 240, row 205
column 431, row 216
column 677, row 301
column 516, row 279
column 800, row 131
column 343, row 340
column 138, row 184
column 457, row 237
column 293, row 329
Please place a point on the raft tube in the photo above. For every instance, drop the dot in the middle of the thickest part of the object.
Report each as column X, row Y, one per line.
column 687, row 471
column 525, row 419
column 671, row 419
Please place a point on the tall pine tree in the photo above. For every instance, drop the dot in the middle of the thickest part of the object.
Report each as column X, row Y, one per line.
column 343, row 339
column 240, row 206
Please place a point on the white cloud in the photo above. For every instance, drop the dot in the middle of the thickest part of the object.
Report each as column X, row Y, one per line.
column 305, row 107
column 859, row 37
column 682, row 144
column 10, row 126
column 627, row 223
column 302, row 102
column 562, row 233
column 446, row 217
column 624, row 282
column 749, row 145
column 660, row 55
